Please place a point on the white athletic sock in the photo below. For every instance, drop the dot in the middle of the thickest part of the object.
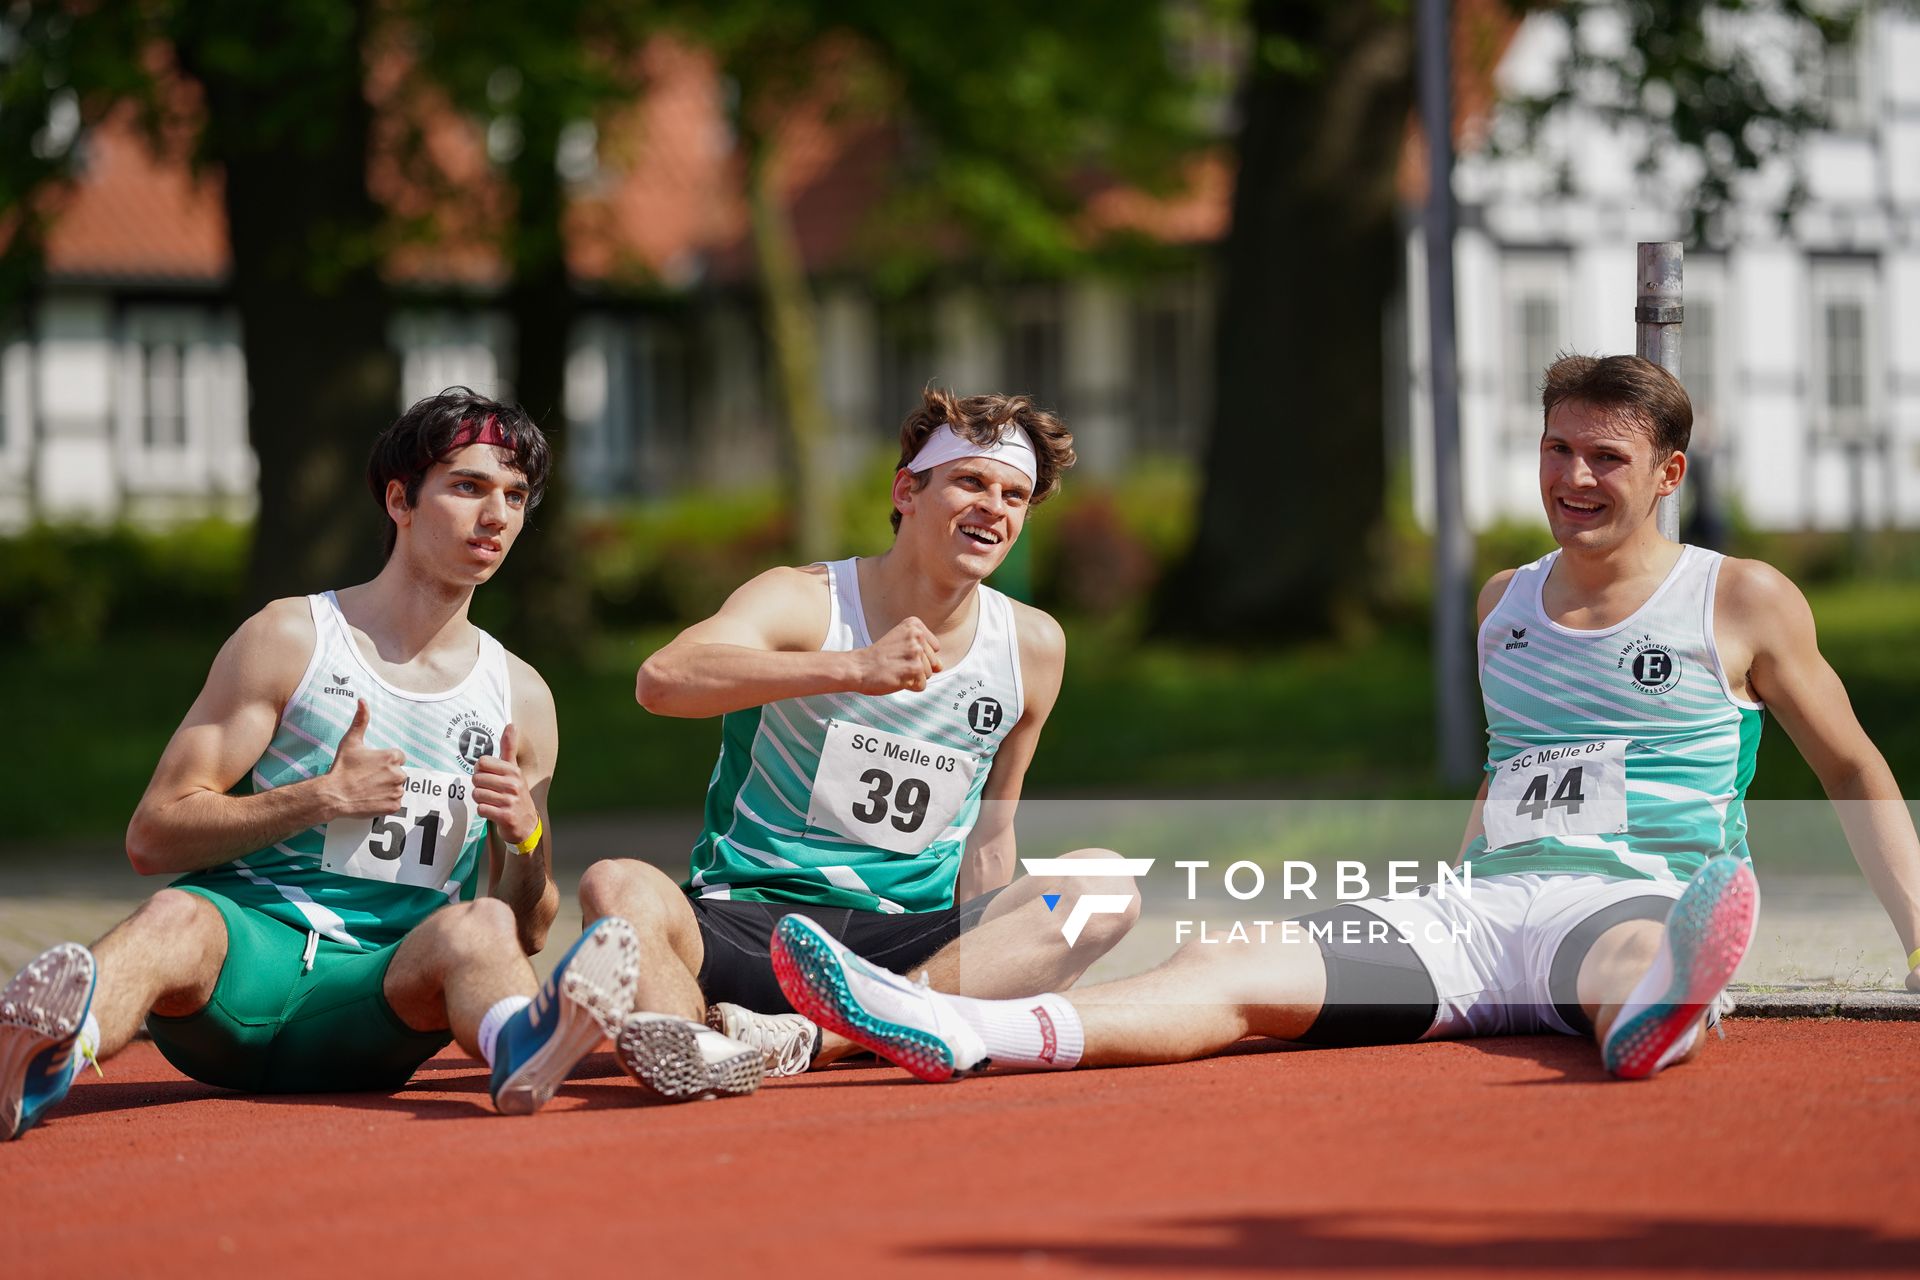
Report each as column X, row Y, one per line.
column 1039, row 1033
column 495, row 1018
column 86, row 1046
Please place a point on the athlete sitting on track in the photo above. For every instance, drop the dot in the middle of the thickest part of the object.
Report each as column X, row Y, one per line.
column 1623, row 677
column 879, row 718
column 325, row 935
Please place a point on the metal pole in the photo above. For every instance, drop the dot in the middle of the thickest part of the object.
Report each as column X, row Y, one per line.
column 1657, row 315
column 1457, row 718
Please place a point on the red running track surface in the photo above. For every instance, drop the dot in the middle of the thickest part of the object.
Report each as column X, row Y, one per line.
column 1792, row 1147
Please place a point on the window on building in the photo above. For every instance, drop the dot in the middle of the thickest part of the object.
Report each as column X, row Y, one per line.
column 1170, row 382
column 909, row 352
column 1535, row 293
column 1844, row 85
column 1844, row 347
column 1699, row 350
column 163, row 398
column 1035, row 350
column 1844, row 323
column 441, row 349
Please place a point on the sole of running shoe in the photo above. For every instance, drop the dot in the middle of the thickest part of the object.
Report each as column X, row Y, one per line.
column 593, row 998
column 43, row 1005
column 1708, row 933
column 722, row 1018
column 810, row 973
column 663, row 1057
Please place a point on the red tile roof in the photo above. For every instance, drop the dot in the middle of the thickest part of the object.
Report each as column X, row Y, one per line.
column 138, row 216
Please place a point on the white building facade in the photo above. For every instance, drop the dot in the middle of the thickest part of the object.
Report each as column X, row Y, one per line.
column 1800, row 347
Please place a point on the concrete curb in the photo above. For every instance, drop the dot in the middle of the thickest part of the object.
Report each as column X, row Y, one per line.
column 1826, row 1002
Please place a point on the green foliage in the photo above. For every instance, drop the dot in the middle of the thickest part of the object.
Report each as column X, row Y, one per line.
column 69, row 588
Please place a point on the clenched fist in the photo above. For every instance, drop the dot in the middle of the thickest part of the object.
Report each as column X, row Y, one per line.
column 364, row 781
column 500, row 793
column 904, row 658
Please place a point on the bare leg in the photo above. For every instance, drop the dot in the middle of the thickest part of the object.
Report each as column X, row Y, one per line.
column 671, row 951
column 164, row 958
column 1619, row 959
column 1202, row 999
column 1018, row 949
column 454, row 966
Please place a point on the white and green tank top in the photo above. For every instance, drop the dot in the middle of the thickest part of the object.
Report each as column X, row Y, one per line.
column 1621, row 751
column 359, row 881
column 849, row 800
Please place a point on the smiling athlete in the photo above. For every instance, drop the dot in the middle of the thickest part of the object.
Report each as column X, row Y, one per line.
column 325, row 933
column 1611, row 894
column 879, row 715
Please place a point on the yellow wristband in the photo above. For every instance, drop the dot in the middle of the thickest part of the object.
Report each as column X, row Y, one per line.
column 532, row 842
column 1913, row 959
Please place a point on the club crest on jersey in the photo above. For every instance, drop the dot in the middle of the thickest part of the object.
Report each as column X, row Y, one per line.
column 1653, row 667
column 984, row 715
column 471, row 737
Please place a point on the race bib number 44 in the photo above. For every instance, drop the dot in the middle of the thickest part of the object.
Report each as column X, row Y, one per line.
column 420, row 845
column 1578, row 789
column 882, row 789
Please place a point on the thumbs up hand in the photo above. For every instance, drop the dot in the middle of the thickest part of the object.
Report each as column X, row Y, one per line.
column 500, row 793
column 364, row 781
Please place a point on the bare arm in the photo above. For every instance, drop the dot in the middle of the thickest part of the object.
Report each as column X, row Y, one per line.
column 510, row 791
column 1769, row 618
column 991, row 854
column 186, row 821
column 764, row 645
column 1490, row 594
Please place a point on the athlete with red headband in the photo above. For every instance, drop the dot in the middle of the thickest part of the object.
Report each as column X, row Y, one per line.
column 325, row 932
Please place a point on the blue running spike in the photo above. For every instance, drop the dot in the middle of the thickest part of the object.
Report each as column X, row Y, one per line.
column 41, row 1013
column 1051, row 899
column 582, row 1003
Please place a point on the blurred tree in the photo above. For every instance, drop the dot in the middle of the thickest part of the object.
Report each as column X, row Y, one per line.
column 1295, row 480
column 271, row 100
column 1000, row 115
column 541, row 81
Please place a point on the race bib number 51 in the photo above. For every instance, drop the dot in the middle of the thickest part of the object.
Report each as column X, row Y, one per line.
column 420, row 845
column 882, row 789
column 1576, row 789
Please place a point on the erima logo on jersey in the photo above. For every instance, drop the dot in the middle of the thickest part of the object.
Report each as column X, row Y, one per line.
column 335, row 688
column 1519, row 640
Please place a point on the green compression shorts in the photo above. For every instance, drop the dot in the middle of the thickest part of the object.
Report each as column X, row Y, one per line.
column 275, row 1026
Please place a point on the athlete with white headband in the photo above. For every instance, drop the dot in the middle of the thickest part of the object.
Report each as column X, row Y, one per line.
column 878, row 716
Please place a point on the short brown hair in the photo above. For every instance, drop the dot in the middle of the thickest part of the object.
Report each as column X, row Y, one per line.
column 1625, row 385
column 982, row 419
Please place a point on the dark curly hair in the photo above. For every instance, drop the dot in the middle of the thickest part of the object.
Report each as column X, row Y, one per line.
column 428, row 432
column 982, row 419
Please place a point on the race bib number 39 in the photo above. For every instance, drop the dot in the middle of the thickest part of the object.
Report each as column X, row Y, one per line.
column 1576, row 789
column 420, row 845
column 885, row 790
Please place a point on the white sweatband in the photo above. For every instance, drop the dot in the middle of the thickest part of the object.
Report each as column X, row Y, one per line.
column 1012, row 448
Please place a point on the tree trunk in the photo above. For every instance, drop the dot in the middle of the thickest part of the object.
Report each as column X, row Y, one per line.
column 321, row 377
column 1296, row 465
column 551, row 612
column 796, row 354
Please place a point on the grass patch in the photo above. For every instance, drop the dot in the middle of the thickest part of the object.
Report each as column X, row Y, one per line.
column 1146, row 720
